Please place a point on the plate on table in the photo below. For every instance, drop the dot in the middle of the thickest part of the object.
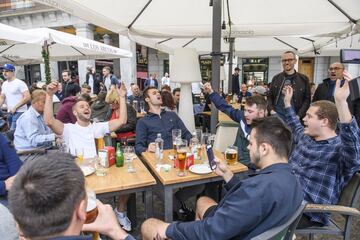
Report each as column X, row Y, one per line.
column 87, row 170
column 200, row 169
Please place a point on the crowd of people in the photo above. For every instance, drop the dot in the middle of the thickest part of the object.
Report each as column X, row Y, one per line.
column 298, row 145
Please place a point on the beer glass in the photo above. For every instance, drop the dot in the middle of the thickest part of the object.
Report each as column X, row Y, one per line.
column 129, row 153
column 79, row 155
column 181, row 157
column 142, row 106
column 91, row 210
column 100, row 143
column 176, row 136
column 231, row 153
column 100, row 169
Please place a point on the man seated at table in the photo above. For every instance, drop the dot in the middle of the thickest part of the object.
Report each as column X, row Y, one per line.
column 58, row 188
column 136, row 94
column 324, row 159
column 80, row 136
column 266, row 199
column 32, row 132
column 157, row 120
column 9, row 166
column 255, row 107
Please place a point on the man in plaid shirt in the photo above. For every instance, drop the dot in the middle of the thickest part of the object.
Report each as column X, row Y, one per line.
column 323, row 159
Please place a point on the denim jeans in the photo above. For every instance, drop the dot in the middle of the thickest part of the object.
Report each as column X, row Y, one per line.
column 12, row 118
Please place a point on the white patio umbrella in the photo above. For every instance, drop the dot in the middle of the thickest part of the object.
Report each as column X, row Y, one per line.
column 11, row 36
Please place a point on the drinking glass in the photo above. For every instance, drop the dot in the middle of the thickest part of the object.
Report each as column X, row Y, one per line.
column 129, row 153
column 176, row 137
column 135, row 105
column 79, row 152
column 181, row 157
column 198, row 134
column 100, row 169
column 231, row 153
column 205, row 138
column 91, row 211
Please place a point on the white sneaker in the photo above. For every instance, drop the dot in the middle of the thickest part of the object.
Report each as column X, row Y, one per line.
column 123, row 220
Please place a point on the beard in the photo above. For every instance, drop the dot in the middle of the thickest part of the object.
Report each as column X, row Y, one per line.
column 255, row 158
column 83, row 118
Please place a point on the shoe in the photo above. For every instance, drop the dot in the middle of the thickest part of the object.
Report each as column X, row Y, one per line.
column 187, row 213
column 123, row 220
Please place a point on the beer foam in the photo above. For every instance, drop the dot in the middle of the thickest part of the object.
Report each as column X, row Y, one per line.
column 231, row 151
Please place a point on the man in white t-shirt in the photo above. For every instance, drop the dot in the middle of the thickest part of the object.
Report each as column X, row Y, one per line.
column 15, row 94
column 81, row 135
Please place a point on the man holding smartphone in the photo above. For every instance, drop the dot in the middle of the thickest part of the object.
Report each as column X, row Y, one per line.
column 250, row 207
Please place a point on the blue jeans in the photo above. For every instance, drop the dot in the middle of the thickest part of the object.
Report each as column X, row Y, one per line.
column 12, row 118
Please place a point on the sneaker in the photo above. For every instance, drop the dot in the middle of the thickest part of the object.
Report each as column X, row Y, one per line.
column 187, row 213
column 123, row 220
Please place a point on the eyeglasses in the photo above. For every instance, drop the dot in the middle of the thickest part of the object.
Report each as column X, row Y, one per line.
column 287, row 60
column 335, row 69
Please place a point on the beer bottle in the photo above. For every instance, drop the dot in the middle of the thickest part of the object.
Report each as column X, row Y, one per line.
column 119, row 156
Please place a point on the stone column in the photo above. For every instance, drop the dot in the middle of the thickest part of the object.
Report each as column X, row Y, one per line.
column 128, row 65
column 87, row 31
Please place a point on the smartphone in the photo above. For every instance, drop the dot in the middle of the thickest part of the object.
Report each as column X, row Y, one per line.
column 210, row 155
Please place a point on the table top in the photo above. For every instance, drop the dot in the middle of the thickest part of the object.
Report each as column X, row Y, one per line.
column 171, row 177
column 118, row 179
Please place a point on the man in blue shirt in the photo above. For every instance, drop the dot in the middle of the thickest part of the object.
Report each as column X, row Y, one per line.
column 323, row 159
column 31, row 131
column 151, row 81
column 266, row 199
column 9, row 166
column 56, row 185
column 157, row 120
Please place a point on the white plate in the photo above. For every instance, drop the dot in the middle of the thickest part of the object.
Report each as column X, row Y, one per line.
column 87, row 170
column 200, row 169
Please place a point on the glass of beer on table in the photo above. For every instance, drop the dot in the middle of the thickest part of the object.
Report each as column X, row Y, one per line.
column 231, row 153
column 181, row 156
column 79, row 155
column 91, row 211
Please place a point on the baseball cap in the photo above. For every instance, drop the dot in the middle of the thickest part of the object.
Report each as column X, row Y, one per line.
column 8, row 67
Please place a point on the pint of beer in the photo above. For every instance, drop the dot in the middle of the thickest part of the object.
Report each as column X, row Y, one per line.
column 92, row 211
column 100, row 143
column 231, row 155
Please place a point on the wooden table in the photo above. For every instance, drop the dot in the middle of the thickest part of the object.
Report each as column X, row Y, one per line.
column 169, row 181
column 119, row 181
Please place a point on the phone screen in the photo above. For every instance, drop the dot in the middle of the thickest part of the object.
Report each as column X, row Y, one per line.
column 210, row 155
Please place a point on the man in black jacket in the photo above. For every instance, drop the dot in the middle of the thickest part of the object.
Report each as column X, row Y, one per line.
column 68, row 84
column 325, row 90
column 289, row 77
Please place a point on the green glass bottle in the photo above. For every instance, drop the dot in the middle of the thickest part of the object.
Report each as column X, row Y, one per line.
column 119, row 156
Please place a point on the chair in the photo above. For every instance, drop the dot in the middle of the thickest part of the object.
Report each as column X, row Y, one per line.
column 284, row 231
column 225, row 135
column 346, row 206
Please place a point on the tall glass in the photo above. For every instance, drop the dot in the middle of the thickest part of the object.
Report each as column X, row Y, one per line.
column 129, row 153
column 100, row 169
column 231, row 153
column 176, row 137
column 79, row 155
column 91, row 211
column 181, row 157
column 205, row 138
column 142, row 106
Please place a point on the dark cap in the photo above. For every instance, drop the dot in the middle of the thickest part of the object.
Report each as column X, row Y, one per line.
column 8, row 67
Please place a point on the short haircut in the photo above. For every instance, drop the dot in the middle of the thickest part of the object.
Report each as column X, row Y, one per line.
column 112, row 96
column 72, row 89
column 66, row 71
column 146, row 94
column 327, row 109
column 272, row 130
column 107, row 68
column 36, row 94
column 87, row 86
column 237, row 69
column 45, row 193
column 259, row 100
column 167, row 100
column 176, row 90
column 84, row 97
column 293, row 53
column 101, row 96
